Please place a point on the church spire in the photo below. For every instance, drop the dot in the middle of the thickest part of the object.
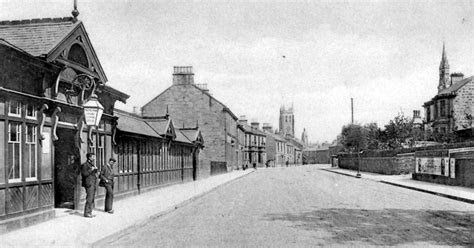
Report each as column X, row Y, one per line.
column 443, row 71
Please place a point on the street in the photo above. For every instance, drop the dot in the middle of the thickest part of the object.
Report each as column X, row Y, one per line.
column 304, row 207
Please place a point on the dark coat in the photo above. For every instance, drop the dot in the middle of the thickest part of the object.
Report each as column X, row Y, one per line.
column 89, row 174
column 107, row 173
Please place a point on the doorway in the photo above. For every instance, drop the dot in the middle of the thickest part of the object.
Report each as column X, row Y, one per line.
column 195, row 164
column 66, row 168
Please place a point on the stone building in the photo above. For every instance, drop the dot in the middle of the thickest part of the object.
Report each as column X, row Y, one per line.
column 275, row 147
column 187, row 104
column 451, row 109
column 255, row 140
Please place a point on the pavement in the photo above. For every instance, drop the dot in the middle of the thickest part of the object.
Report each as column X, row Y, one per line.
column 464, row 194
column 71, row 229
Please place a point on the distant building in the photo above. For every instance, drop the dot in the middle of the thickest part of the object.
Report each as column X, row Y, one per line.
column 255, row 143
column 417, row 120
column 275, row 147
column 451, row 110
column 187, row 104
column 287, row 122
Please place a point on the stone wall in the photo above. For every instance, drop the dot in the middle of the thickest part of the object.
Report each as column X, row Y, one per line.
column 316, row 157
column 396, row 165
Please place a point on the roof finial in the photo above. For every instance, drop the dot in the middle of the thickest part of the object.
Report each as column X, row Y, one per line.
column 75, row 12
column 197, row 124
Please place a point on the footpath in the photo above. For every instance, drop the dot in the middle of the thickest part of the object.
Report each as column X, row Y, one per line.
column 70, row 229
column 464, row 194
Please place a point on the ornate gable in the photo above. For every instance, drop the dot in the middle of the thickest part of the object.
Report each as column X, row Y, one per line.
column 75, row 50
column 170, row 131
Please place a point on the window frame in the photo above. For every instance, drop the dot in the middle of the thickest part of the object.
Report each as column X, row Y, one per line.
column 28, row 145
column 10, row 103
column 18, row 141
column 35, row 112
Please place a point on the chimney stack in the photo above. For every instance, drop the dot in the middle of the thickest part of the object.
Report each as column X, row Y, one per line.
column 267, row 128
column 255, row 125
column 183, row 75
column 243, row 119
column 456, row 77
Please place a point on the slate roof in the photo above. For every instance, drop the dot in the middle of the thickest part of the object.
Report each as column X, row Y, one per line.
column 181, row 137
column 159, row 125
column 224, row 107
column 276, row 136
column 456, row 86
column 192, row 135
column 36, row 36
column 247, row 128
column 131, row 124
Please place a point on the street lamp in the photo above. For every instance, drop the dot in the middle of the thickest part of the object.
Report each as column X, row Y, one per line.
column 93, row 111
column 358, row 175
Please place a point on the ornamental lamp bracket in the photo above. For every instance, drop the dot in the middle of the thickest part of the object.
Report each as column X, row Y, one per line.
column 93, row 110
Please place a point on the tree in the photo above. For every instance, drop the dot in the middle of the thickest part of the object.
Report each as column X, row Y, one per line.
column 373, row 136
column 399, row 131
column 354, row 137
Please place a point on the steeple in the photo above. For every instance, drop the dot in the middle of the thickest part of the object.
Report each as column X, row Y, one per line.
column 443, row 71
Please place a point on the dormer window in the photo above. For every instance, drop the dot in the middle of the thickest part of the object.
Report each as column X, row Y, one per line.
column 78, row 55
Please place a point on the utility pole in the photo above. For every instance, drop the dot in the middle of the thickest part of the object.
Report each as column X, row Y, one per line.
column 352, row 111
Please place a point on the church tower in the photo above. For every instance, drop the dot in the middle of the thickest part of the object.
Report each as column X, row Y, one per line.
column 444, row 81
column 287, row 122
column 304, row 137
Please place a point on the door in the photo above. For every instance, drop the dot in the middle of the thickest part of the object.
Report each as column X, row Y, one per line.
column 195, row 164
column 66, row 169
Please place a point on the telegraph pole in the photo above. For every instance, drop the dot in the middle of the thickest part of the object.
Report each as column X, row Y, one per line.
column 352, row 111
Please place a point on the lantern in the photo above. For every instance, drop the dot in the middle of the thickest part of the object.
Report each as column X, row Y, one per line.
column 93, row 111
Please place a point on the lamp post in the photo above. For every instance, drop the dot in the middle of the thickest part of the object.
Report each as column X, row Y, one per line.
column 358, row 175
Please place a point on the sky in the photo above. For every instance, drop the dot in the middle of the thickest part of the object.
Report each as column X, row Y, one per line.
column 256, row 56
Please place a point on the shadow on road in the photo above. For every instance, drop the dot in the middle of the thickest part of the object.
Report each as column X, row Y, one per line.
column 386, row 227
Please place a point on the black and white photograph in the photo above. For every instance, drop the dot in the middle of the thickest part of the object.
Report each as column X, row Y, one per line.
column 246, row 123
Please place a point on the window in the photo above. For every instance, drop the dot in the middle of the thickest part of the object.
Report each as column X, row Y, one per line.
column 31, row 152
column 14, row 109
column 442, row 108
column 14, row 152
column 30, row 112
column 100, row 158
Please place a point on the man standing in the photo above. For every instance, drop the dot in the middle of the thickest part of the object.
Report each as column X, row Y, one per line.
column 107, row 181
column 89, row 180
